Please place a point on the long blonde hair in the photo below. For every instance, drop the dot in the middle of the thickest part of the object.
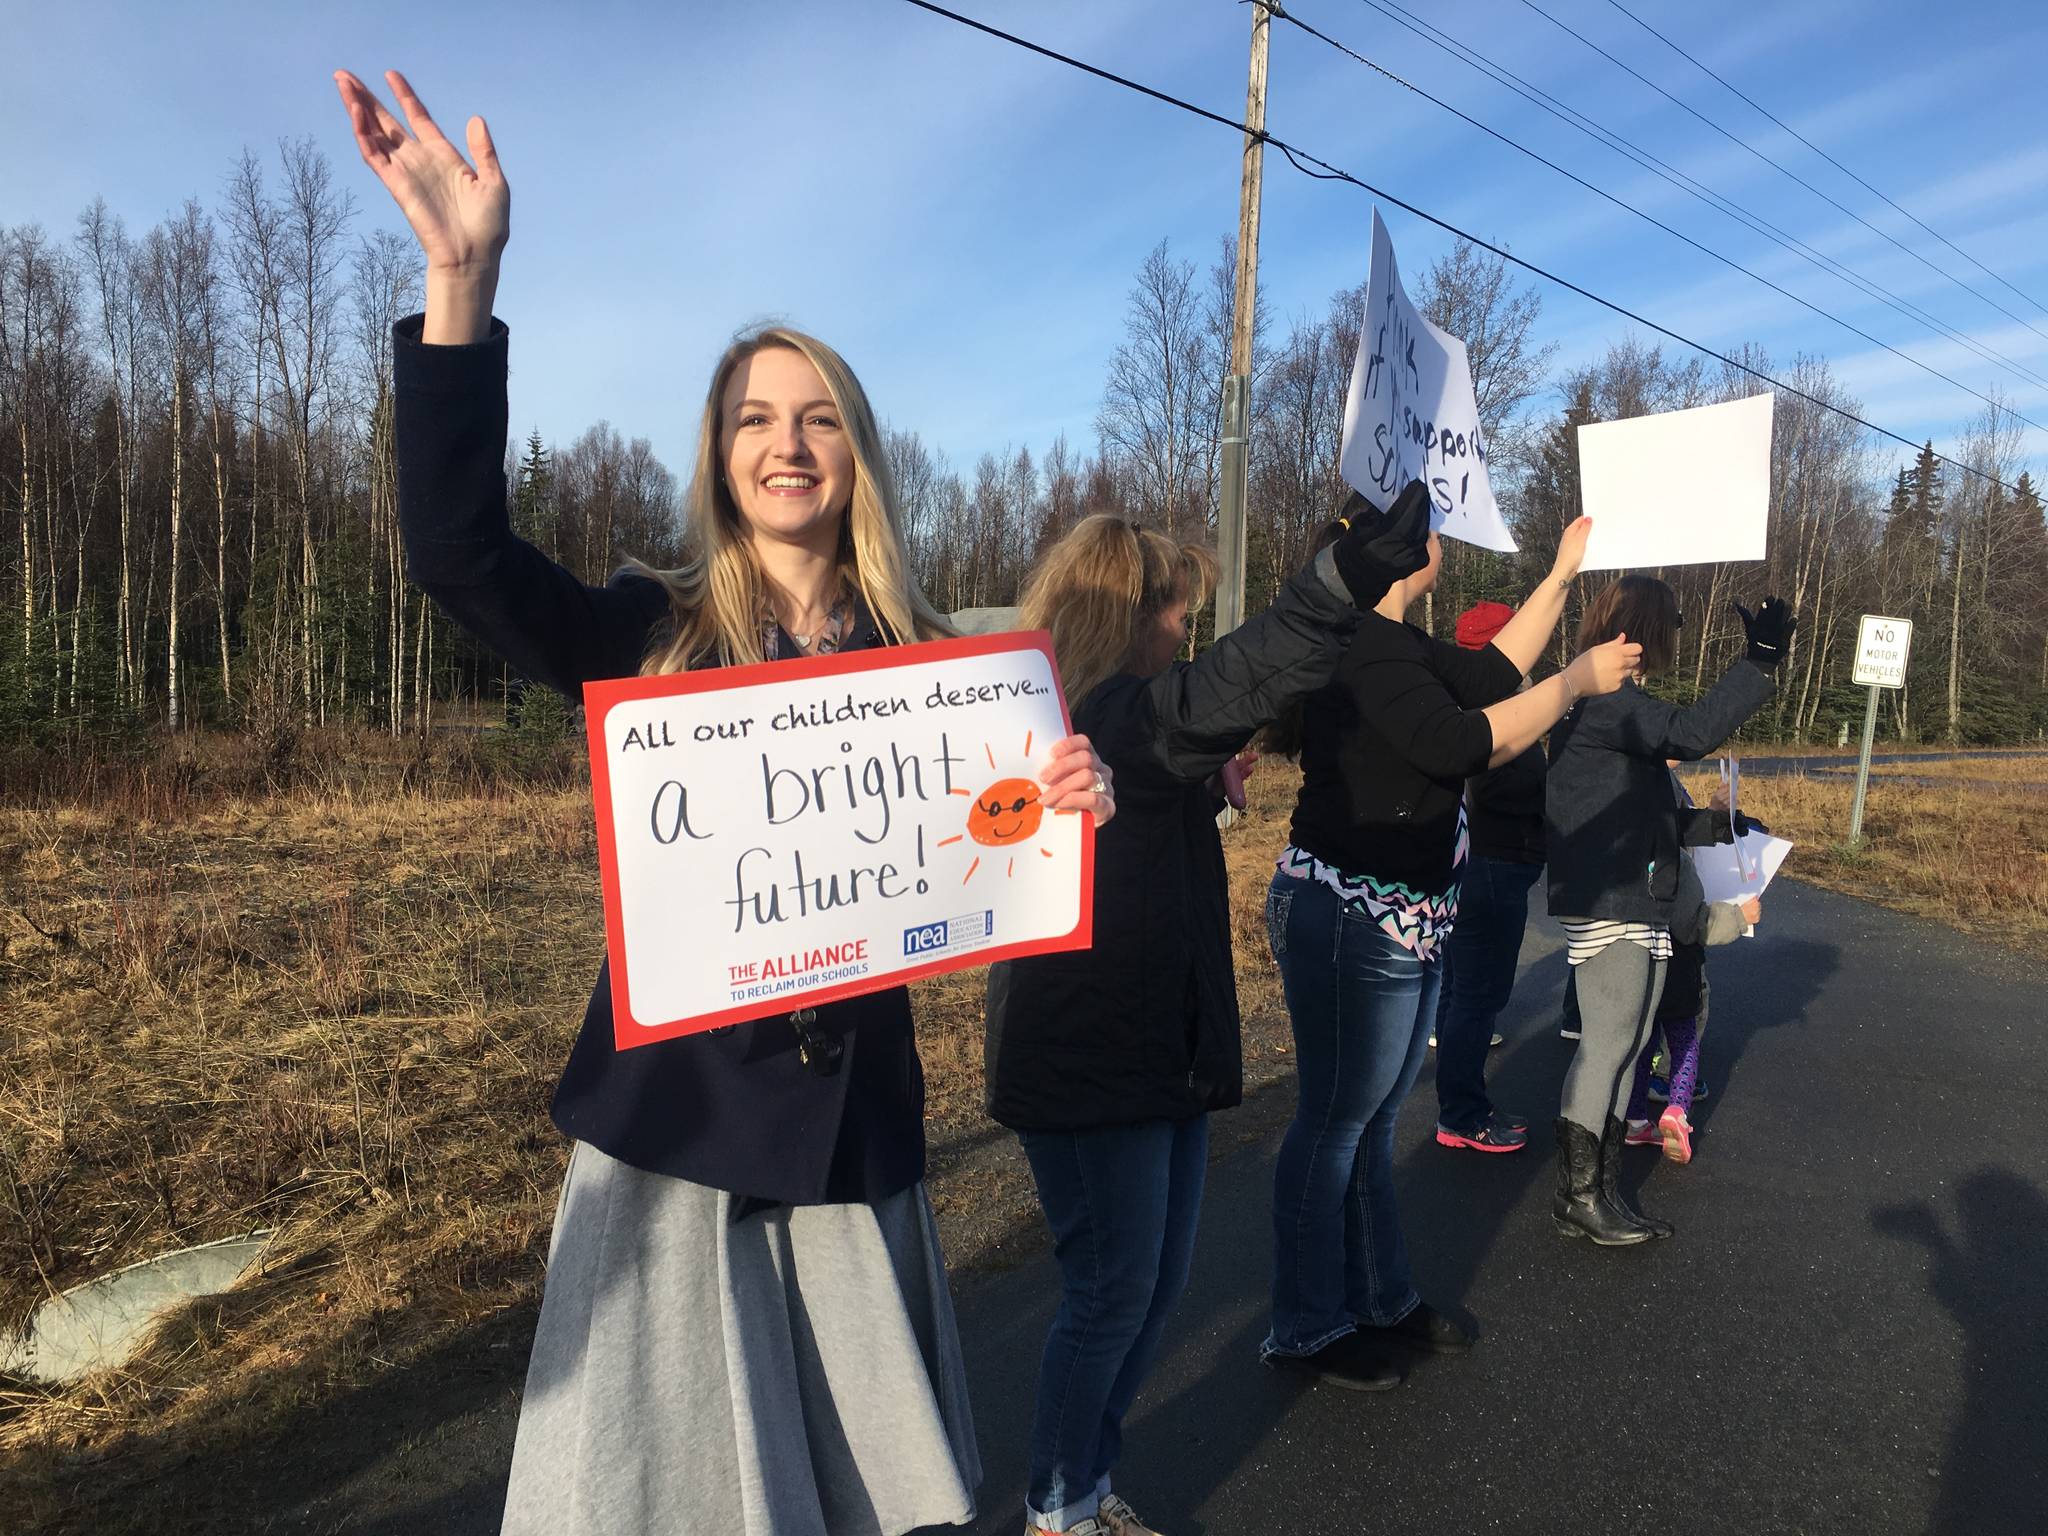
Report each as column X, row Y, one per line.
column 718, row 595
column 1094, row 588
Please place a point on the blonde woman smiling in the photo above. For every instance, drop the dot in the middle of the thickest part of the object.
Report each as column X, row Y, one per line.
column 743, row 1233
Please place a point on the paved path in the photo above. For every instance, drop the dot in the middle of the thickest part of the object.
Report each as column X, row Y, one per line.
column 1848, row 1334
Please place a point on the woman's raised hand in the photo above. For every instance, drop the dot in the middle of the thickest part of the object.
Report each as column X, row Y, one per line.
column 461, row 217
column 1769, row 631
column 1571, row 549
column 1603, row 668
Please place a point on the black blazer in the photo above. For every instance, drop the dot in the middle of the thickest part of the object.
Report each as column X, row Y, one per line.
column 1144, row 1025
column 1612, row 825
column 1386, row 750
column 735, row 1109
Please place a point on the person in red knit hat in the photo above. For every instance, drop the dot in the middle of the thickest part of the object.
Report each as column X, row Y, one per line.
column 1504, row 812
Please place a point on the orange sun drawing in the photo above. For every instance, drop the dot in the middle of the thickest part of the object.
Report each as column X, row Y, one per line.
column 1006, row 813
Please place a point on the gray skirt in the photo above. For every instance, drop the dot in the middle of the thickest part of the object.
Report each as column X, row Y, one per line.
column 796, row 1373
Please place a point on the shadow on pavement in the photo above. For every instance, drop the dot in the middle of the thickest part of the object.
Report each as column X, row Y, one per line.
column 1991, row 1272
column 442, row 1421
column 1741, row 1006
column 1455, row 1203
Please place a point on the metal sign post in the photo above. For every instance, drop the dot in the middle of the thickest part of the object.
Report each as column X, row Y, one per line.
column 1882, row 645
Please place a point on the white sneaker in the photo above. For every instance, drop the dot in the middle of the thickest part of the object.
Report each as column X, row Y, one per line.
column 1119, row 1519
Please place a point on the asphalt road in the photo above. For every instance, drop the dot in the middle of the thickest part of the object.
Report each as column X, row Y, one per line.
column 1839, row 767
column 1849, row 1332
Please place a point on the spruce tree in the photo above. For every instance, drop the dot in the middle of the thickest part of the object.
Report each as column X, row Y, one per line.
column 533, row 499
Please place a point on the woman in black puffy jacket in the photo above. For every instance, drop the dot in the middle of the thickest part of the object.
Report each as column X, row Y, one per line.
column 1106, row 1062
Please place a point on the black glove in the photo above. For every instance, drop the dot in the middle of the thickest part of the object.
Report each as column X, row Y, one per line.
column 1746, row 824
column 1769, row 630
column 1378, row 549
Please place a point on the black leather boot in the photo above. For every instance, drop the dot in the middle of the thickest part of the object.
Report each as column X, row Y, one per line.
column 1578, row 1209
column 1610, row 1182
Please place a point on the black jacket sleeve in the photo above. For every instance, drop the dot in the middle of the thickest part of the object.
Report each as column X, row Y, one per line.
column 1647, row 727
column 1395, row 686
column 459, row 545
column 1183, row 725
column 1475, row 678
column 1699, row 827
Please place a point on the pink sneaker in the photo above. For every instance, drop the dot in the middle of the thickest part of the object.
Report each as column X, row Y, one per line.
column 1676, row 1133
column 1643, row 1133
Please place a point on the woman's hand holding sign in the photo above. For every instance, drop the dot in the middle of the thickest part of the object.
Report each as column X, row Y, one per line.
column 1075, row 779
column 1378, row 549
column 461, row 217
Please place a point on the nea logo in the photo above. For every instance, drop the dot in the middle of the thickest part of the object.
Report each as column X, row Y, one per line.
column 933, row 938
column 923, row 940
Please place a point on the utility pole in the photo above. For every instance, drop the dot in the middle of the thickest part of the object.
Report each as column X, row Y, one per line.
column 1237, row 385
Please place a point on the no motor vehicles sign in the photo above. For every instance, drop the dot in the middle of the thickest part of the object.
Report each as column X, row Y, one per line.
column 1881, row 649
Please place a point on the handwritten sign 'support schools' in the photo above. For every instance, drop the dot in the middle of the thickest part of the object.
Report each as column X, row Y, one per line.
column 776, row 836
column 1410, row 413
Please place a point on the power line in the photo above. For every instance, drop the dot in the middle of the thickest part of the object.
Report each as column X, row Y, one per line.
column 1783, row 171
column 1322, row 170
column 1676, row 234
column 1831, row 160
column 1572, row 117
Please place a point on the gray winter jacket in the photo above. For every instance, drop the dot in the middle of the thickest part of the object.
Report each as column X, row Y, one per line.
column 1612, row 824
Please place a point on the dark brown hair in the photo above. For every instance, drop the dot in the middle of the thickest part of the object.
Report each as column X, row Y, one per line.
column 1642, row 608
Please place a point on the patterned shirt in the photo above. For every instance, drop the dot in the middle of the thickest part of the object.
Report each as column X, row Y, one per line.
column 1413, row 919
column 829, row 638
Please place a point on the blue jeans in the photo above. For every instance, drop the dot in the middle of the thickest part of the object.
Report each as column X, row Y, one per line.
column 1479, row 973
column 1361, row 1005
column 1122, row 1202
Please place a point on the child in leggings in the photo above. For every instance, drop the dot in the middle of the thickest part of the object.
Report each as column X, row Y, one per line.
column 1682, row 1010
column 1681, row 1024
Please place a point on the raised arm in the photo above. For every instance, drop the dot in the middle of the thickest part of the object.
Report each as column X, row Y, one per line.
column 1523, row 637
column 450, row 418
column 450, row 422
column 1186, row 723
column 1654, row 728
column 1519, row 723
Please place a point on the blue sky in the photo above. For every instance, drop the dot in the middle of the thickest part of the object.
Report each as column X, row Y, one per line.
column 963, row 220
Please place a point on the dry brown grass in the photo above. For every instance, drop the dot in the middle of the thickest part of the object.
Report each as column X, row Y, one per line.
column 335, row 1013
column 1973, row 857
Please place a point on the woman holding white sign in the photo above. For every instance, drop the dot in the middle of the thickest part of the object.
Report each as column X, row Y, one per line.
column 1363, row 898
column 1107, row 1061
column 1614, row 831
column 743, row 1227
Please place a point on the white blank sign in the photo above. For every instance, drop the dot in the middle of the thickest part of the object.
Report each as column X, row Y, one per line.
column 1680, row 488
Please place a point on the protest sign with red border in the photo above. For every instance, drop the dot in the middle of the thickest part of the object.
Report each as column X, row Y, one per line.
column 782, row 835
